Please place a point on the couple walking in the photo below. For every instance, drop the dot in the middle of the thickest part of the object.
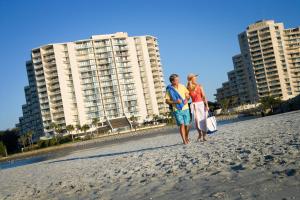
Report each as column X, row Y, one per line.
column 178, row 97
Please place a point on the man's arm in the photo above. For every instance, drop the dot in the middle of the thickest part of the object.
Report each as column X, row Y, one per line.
column 169, row 101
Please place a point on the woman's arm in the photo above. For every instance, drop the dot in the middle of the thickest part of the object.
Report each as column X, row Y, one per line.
column 204, row 97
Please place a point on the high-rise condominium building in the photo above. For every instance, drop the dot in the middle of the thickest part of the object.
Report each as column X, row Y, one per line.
column 104, row 77
column 268, row 65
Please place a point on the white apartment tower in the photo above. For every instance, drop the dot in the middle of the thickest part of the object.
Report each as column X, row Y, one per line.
column 104, row 77
column 270, row 61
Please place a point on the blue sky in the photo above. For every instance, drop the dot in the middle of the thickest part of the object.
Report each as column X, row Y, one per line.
column 194, row 36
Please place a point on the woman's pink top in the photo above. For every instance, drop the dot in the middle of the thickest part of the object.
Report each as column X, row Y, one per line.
column 196, row 95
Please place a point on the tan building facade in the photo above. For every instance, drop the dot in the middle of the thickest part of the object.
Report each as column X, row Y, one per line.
column 292, row 45
column 104, row 77
column 269, row 63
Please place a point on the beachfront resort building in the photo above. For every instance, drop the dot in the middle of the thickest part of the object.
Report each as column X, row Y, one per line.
column 107, row 77
column 268, row 65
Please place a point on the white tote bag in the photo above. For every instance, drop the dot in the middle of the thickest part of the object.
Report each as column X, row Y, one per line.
column 211, row 123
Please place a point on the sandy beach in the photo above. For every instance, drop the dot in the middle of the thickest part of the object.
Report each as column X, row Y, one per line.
column 253, row 159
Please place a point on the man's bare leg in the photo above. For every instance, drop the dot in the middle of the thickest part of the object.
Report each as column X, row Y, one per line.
column 182, row 133
column 187, row 129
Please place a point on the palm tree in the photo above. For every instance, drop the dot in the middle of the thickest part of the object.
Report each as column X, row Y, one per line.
column 95, row 123
column 233, row 101
column 134, row 122
column 60, row 131
column 85, row 128
column 78, row 128
column 53, row 126
column 166, row 115
column 225, row 104
column 23, row 139
column 70, row 128
column 133, row 118
column 170, row 118
column 155, row 118
column 269, row 102
column 29, row 135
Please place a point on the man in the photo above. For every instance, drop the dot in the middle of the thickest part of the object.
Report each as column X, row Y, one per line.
column 177, row 96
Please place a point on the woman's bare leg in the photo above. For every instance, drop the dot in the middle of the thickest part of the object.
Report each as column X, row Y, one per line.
column 200, row 135
column 204, row 136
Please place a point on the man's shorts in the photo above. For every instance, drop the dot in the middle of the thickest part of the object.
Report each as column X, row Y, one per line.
column 182, row 117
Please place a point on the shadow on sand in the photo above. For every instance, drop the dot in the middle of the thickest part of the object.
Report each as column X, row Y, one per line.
column 115, row 154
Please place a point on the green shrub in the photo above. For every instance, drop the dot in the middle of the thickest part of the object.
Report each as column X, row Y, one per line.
column 3, row 151
column 43, row 143
column 52, row 142
column 87, row 137
column 65, row 139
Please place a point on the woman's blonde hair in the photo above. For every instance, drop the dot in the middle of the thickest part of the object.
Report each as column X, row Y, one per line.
column 191, row 86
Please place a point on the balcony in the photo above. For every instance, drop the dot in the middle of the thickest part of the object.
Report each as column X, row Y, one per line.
column 39, row 72
column 121, row 48
column 37, row 61
column 257, row 53
column 274, row 85
column 51, row 70
column 46, row 118
column 296, row 76
column 48, row 58
column 55, row 92
column 85, row 57
column 58, row 116
column 43, row 95
column 40, row 78
column 56, row 105
column 42, row 89
column 257, row 59
column 255, row 46
column 40, row 83
column 45, row 108
column 269, row 61
column 35, row 55
column 266, row 46
column 55, row 98
column 103, row 62
column 122, row 54
column 122, row 59
column 48, row 51
column 151, row 47
column 120, row 43
column 268, row 50
column 264, row 91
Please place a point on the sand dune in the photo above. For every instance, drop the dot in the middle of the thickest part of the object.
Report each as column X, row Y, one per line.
column 254, row 159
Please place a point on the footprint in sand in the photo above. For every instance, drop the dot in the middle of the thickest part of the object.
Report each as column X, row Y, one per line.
column 287, row 172
column 269, row 158
column 238, row 167
column 290, row 172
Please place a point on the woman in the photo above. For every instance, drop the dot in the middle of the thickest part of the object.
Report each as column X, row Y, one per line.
column 199, row 106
